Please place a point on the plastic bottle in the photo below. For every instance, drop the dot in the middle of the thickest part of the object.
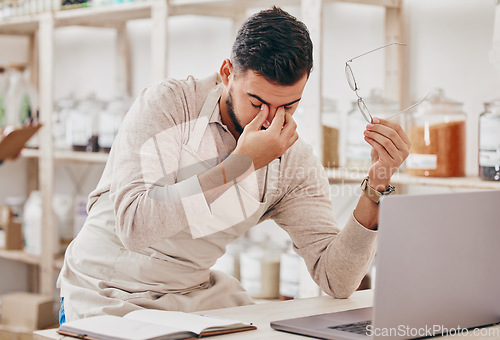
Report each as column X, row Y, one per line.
column 4, row 81
column 18, row 106
column 32, row 224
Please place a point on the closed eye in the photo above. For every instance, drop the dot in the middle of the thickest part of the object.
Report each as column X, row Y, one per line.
column 256, row 106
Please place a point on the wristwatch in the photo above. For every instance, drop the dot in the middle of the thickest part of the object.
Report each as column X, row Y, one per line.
column 373, row 194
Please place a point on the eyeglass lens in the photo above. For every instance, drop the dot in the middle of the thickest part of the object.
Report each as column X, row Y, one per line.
column 350, row 78
column 364, row 110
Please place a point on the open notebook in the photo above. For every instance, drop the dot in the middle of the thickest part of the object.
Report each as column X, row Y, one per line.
column 152, row 324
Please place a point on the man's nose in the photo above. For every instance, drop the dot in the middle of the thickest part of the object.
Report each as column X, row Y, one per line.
column 272, row 113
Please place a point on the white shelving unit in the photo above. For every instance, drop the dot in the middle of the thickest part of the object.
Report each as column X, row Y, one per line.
column 336, row 176
column 40, row 28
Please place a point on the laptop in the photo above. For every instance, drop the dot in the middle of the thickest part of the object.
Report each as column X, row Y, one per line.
column 438, row 271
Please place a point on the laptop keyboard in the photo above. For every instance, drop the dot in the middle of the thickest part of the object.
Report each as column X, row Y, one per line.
column 357, row 327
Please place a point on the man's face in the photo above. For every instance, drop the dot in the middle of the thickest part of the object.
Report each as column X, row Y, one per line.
column 246, row 92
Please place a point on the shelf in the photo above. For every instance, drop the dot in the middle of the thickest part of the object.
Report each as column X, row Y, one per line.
column 70, row 156
column 19, row 255
column 469, row 182
column 30, row 153
column 113, row 15
column 41, row 27
column 104, row 16
column 87, row 157
column 24, row 25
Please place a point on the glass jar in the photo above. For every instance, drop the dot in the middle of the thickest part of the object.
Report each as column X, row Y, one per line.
column 109, row 122
column 489, row 142
column 358, row 151
column 60, row 136
column 331, row 123
column 83, row 124
column 437, row 133
column 260, row 269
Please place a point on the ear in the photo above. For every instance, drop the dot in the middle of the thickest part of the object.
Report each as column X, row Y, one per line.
column 226, row 71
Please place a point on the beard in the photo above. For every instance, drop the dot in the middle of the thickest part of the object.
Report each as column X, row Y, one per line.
column 232, row 115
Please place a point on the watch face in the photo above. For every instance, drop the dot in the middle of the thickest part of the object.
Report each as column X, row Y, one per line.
column 390, row 190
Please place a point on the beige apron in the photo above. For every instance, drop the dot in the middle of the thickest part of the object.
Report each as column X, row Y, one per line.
column 100, row 276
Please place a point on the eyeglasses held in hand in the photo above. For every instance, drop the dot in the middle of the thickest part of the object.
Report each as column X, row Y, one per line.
column 354, row 86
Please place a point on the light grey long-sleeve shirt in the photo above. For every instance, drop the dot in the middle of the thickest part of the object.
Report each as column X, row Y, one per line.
column 337, row 260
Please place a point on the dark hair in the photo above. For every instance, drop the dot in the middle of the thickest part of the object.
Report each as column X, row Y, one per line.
column 275, row 45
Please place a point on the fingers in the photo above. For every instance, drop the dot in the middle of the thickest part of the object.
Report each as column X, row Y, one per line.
column 387, row 132
column 384, row 142
column 394, row 126
column 278, row 121
column 292, row 140
column 382, row 153
column 289, row 128
column 259, row 119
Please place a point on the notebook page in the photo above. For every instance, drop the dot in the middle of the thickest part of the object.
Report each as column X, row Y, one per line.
column 180, row 320
column 114, row 327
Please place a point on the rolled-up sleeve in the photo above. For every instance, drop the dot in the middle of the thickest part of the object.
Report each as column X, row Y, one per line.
column 336, row 259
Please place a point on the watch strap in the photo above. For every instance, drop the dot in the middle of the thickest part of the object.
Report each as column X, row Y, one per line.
column 373, row 194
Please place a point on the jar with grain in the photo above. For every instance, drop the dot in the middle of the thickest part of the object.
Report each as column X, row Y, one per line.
column 437, row 133
column 489, row 142
column 331, row 122
column 358, row 151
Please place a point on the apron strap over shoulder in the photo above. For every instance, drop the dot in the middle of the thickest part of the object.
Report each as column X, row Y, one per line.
column 204, row 117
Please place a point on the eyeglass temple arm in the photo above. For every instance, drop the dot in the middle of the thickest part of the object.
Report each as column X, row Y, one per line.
column 379, row 48
column 412, row 106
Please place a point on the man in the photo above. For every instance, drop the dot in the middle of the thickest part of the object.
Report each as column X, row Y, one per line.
column 170, row 200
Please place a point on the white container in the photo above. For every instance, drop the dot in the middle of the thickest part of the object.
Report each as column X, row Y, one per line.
column 18, row 99
column 78, row 129
column 289, row 274
column 4, row 83
column 109, row 122
column 32, row 224
column 56, row 5
column 64, row 107
column 260, row 270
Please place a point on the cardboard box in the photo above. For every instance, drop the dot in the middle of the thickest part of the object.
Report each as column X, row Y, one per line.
column 13, row 232
column 32, row 311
